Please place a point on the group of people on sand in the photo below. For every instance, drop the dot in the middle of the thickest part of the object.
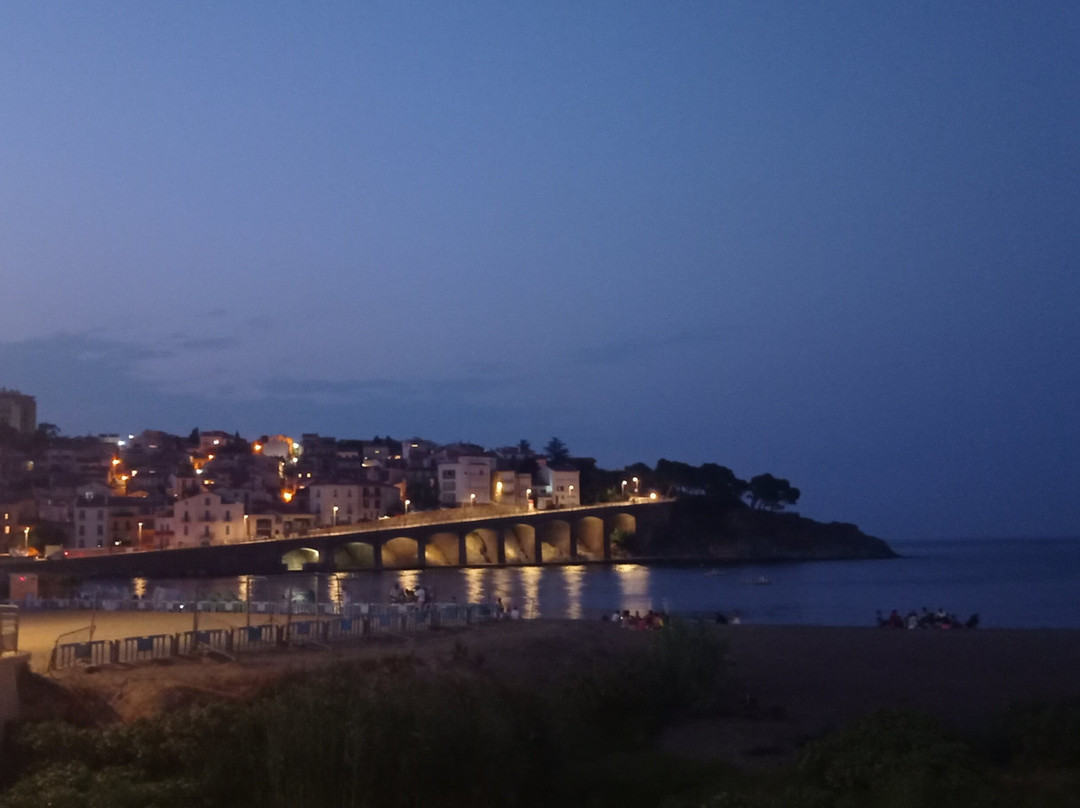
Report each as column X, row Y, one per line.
column 506, row 612
column 925, row 619
column 418, row 596
column 636, row 620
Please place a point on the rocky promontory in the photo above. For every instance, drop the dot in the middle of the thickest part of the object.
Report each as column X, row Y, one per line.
column 700, row 527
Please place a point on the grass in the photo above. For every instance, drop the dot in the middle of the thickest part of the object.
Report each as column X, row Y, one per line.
column 399, row 733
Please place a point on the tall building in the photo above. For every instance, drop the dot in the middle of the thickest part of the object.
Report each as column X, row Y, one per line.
column 18, row 411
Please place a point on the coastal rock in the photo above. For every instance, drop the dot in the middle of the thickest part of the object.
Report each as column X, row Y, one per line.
column 703, row 528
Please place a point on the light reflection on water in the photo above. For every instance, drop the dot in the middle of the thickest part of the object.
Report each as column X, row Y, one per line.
column 530, row 577
column 474, row 585
column 634, row 585
column 1011, row 584
column 573, row 580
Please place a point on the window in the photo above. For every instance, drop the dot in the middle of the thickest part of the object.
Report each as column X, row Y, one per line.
column 100, row 531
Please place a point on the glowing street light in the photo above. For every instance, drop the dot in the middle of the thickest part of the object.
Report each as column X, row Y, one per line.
column 140, row 535
column 26, row 538
column 571, row 493
column 247, row 526
column 472, row 500
column 622, row 489
column 637, row 487
column 335, row 515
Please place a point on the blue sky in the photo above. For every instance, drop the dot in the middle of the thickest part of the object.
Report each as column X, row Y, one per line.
column 837, row 242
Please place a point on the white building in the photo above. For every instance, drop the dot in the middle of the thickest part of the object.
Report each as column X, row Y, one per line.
column 466, row 481
column 201, row 520
column 561, row 486
column 349, row 503
column 510, row 487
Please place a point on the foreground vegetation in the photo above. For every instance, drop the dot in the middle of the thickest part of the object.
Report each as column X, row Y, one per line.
column 400, row 733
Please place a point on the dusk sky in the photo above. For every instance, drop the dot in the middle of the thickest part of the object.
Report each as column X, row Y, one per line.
column 834, row 241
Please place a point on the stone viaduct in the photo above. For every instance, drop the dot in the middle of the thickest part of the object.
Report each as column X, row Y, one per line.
column 534, row 537
column 526, row 538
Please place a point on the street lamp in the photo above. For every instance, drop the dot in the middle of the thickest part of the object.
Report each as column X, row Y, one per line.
column 247, row 527
column 140, row 535
column 405, row 518
column 26, row 538
column 571, row 495
column 472, row 500
column 622, row 489
column 335, row 515
column 636, row 486
column 528, row 498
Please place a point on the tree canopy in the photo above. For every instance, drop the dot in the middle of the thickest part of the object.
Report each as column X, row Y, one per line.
column 556, row 450
column 767, row 491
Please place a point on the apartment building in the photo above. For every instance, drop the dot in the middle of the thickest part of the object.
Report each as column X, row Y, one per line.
column 466, row 480
column 346, row 503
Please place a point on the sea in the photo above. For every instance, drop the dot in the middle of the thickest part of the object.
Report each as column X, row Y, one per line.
column 1009, row 583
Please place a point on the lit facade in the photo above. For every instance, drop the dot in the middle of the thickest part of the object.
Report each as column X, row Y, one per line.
column 466, row 481
column 354, row 502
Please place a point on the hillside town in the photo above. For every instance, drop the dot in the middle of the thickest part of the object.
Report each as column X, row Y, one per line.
column 154, row 490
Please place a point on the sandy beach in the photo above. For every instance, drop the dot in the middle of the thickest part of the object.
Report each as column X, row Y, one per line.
column 788, row 683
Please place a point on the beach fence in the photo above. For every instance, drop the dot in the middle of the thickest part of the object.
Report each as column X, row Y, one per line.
column 361, row 621
column 9, row 629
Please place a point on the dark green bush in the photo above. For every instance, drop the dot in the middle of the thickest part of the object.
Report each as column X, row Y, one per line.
column 393, row 734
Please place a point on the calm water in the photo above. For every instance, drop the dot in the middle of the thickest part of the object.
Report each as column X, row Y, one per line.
column 1025, row 583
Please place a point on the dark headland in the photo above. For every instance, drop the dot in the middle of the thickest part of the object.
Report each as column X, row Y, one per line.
column 702, row 528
